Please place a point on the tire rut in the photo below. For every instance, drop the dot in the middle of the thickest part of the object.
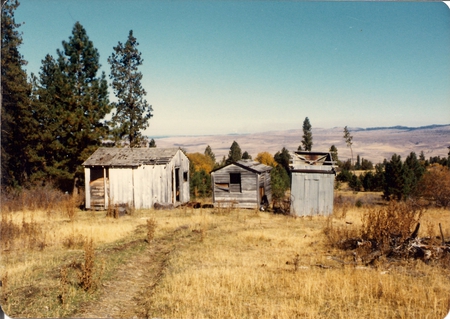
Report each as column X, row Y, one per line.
column 126, row 294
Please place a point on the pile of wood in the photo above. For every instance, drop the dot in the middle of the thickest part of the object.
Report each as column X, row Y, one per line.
column 367, row 251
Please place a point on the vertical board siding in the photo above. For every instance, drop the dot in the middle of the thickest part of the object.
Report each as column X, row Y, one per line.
column 312, row 194
column 87, row 180
column 121, row 185
column 144, row 185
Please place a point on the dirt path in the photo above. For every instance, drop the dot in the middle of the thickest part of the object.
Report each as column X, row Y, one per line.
column 125, row 296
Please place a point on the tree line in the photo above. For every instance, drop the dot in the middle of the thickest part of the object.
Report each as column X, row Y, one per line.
column 53, row 121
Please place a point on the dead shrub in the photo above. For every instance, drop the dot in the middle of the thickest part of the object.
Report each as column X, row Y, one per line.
column 64, row 285
column 45, row 198
column 338, row 235
column 86, row 274
column 151, row 227
column 69, row 207
column 391, row 224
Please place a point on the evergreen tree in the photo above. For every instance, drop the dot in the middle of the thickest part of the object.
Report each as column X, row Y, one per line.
column 366, row 164
column 82, row 105
column 307, row 136
column 132, row 112
column 358, row 163
column 448, row 157
column 18, row 127
column 394, row 178
column 235, row 153
column 283, row 158
column 334, row 153
column 210, row 154
column 246, row 156
column 280, row 182
column 348, row 139
column 152, row 143
column 49, row 106
column 413, row 172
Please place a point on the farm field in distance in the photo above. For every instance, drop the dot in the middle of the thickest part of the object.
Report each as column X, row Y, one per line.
column 212, row 263
column 372, row 144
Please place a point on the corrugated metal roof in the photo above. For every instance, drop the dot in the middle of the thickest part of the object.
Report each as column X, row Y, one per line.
column 110, row 156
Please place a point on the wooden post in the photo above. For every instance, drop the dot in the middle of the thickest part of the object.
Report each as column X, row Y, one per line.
column 442, row 234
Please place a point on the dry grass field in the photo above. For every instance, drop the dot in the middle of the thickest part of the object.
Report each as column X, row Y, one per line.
column 212, row 263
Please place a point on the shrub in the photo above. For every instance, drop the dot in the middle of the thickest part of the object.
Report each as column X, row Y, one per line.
column 435, row 185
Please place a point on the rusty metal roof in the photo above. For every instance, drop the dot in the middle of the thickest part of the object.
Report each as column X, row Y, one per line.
column 111, row 156
column 312, row 158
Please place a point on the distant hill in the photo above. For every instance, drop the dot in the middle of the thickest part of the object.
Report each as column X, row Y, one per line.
column 374, row 143
column 399, row 127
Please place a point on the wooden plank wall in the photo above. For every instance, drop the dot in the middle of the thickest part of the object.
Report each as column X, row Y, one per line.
column 247, row 198
column 312, row 194
column 146, row 185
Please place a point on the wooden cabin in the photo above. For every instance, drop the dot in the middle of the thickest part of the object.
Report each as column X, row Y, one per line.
column 312, row 183
column 138, row 177
column 243, row 184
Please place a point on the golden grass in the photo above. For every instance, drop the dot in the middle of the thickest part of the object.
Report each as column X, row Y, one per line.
column 236, row 264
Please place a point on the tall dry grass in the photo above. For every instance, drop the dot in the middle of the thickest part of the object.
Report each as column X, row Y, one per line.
column 224, row 263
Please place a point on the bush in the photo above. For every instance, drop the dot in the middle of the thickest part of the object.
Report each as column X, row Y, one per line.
column 435, row 185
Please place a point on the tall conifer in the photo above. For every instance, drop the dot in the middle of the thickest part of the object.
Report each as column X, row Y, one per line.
column 307, row 140
column 72, row 102
column 17, row 123
column 131, row 111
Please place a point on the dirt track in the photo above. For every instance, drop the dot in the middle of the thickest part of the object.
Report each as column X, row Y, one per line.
column 127, row 294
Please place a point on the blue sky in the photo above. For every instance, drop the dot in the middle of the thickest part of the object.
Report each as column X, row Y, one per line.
column 220, row 67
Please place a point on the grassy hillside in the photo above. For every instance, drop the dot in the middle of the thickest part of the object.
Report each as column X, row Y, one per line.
column 212, row 263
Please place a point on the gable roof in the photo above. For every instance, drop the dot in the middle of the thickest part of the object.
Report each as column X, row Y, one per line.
column 112, row 156
column 250, row 165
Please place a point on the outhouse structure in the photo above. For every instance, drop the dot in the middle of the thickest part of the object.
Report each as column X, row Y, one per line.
column 244, row 184
column 312, row 183
column 139, row 177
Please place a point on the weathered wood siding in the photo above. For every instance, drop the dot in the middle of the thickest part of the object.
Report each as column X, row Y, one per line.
column 140, row 186
column 312, row 193
column 157, row 183
column 245, row 196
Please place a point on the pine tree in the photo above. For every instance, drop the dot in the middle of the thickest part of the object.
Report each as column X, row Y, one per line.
column 334, row 153
column 18, row 127
column 132, row 111
column 246, row 156
column 49, row 108
column 348, row 139
column 394, row 178
column 81, row 104
column 307, row 136
column 210, row 154
column 235, row 153
column 413, row 172
column 152, row 143
column 283, row 158
column 358, row 162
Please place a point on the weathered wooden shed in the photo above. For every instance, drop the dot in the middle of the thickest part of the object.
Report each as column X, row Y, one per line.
column 312, row 184
column 139, row 177
column 242, row 184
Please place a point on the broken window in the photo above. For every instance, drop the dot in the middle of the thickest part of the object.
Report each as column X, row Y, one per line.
column 235, row 182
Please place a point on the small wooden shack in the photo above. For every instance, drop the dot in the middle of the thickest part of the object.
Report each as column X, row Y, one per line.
column 312, row 185
column 138, row 177
column 243, row 184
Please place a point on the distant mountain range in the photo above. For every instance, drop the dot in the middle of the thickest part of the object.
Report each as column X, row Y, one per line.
column 374, row 143
column 399, row 127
